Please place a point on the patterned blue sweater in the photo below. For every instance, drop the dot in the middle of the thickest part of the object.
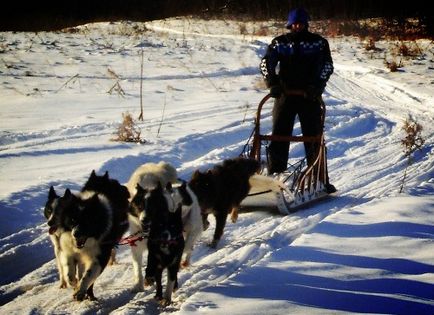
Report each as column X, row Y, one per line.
column 297, row 60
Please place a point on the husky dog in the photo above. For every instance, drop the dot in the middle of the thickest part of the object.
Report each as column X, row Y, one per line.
column 144, row 178
column 221, row 190
column 56, row 212
column 118, row 195
column 165, row 244
column 148, row 175
column 191, row 218
column 60, row 212
column 92, row 222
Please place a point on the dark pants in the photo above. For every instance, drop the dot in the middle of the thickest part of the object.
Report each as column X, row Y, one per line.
column 285, row 109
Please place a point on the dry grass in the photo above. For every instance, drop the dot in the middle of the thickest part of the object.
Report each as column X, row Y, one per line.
column 393, row 66
column 128, row 131
column 412, row 142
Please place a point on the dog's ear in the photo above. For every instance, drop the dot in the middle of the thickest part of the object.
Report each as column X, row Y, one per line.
column 68, row 193
column 139, row 188
column 106, row 175
column 52, row 194
column 93, row 174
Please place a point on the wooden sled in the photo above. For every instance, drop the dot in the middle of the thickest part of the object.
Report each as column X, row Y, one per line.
column 298, row 186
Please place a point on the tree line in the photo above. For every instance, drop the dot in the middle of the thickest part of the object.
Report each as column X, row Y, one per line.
column 25, row 15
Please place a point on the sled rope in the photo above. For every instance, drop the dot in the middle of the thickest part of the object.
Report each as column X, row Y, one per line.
column 132, row 239
column 260, row 193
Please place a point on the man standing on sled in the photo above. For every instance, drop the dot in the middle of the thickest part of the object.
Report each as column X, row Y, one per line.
column 305, row 65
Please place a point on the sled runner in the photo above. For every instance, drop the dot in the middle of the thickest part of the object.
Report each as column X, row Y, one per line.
column 298, row 186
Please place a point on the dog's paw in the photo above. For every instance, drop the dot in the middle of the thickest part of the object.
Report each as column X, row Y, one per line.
column 234, row 215
column 90, row 297
column 165, row 302
column 63, row 284
column 79, row 295
column 214, row 244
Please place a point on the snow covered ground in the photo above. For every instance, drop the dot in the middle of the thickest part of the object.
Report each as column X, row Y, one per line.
column 367, row 250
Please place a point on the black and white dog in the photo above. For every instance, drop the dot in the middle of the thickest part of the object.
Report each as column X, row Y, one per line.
column 165, row 243
column 118, row 196
column 143, row 179
column 91, row 222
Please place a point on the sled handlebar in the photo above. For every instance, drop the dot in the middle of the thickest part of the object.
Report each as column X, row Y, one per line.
column 258, row 137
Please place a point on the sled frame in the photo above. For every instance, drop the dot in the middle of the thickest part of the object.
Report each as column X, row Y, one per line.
column 301, row 184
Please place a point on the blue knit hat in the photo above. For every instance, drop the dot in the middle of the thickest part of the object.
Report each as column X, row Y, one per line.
column 297, row 15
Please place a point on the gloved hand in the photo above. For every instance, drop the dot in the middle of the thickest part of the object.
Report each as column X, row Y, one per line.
column 313, row 92
column 276, row 91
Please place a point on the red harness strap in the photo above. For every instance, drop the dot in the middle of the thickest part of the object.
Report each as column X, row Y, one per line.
column 131, row 239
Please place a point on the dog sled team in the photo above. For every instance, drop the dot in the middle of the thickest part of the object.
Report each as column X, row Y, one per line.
column 165, row 218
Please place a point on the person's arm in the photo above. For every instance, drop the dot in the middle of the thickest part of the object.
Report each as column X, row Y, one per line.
column 268, row 65
column 327, row 67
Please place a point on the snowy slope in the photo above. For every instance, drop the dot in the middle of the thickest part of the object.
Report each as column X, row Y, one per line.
column 368, row 249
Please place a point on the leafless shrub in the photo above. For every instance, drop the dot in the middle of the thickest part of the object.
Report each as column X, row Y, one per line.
column 128, row 131
column 412, row 142
column 243, row 28
column 409, row 49
column 393, row 66
column 116, row 86
column 163, row 111
column 370, row 45
column 262, row 31
column 244, row 108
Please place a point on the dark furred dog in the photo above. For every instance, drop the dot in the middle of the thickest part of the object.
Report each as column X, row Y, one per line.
column 118, row 196
column 99, row 224
column 91, row 224
column 221, row 189
column 165, row 243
